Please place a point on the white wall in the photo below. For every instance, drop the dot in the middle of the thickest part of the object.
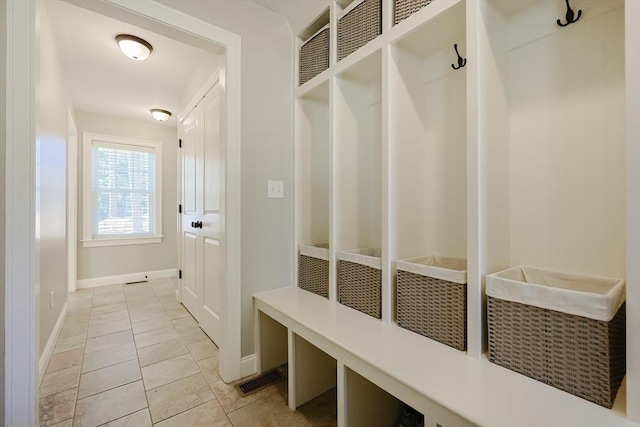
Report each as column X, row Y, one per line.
column 52, row 102
column 267, row 148
column 115, row 260
column 3, row 82
column 197, row 80
column 299, row 13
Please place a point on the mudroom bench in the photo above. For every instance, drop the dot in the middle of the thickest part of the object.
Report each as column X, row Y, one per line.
column 375, row 367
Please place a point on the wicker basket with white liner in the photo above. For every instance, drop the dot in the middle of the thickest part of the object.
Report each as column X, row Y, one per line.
column 405, row 8
column 314, row 55
column 360, row 23
column 565, row 330
column 313, row 268
column 360, row 280
column 432, row 298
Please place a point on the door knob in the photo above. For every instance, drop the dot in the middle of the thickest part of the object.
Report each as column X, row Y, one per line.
column 198, row 224
column 193, row 225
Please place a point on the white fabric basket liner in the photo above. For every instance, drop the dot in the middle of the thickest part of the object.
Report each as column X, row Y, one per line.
column 438, row 267
column 320, row 251
column 593, row 297
column 366, row 256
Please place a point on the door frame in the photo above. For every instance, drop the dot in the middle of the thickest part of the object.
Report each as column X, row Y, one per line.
column 21, row 315
column 214, row 80
column 72, row 203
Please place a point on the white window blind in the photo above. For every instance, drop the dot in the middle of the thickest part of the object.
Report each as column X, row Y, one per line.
column 124, row 191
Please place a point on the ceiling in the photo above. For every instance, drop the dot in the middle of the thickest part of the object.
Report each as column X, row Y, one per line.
column 299, row 13
column 102, row 80
column 281, row 7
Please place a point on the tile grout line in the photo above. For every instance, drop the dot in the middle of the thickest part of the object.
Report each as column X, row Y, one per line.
column 47, row 370
column 84, row 347
column 197, row 364
column 146, row 398
column 146, row 392
column 83, row 355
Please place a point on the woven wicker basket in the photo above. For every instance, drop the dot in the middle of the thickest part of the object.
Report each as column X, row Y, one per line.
column 582, row 356
column 432, row 299
column 314, row 55
column 360, row 280
column 358, row 26
column 313, row 269
column 405, row 8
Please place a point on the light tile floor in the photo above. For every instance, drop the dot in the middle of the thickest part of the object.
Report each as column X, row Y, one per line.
column 130, row 355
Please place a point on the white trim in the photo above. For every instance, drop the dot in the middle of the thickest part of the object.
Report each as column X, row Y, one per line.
column 229, row 362
column 248, row 366
column 632, row 89
column 72, row 203
column 229, row 356
column 94, row 243
column 21, row 317
column 111, row 141
column 125, row 278
column 200, row 94
column 51, row 343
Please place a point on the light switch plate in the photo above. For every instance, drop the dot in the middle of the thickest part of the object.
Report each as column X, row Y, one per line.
column 275, row 189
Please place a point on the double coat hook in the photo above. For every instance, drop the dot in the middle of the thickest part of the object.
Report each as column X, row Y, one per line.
column 461, row 61
column 569, row 16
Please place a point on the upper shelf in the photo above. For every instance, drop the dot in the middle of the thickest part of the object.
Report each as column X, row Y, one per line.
column 429, row 36
column 449, row 10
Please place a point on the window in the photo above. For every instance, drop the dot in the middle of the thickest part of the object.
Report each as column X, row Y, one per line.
column 122, row 191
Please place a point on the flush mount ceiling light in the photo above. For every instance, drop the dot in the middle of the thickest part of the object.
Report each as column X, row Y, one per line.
column 160, row 115
column 134, row 47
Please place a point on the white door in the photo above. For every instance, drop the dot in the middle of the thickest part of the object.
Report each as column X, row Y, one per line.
column 203, row 271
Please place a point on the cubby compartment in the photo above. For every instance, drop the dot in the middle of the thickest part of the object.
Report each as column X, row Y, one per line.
column 402, row 9
column 314, row 45
column 553, row 100
column 369, row 405
column 359, row 23
column 357, row 155
column 314, row 379
column 313, row 151
column 273, row 342
column 427, row 149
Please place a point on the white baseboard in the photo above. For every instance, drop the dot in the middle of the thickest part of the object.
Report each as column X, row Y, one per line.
column 51, row 344
column 125, row 278
column 248, row 365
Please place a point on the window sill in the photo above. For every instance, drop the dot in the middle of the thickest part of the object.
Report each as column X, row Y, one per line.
column 94, row 243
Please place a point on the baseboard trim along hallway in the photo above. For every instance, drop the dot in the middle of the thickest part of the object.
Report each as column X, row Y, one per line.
column 125, row 278
column 248, row 365
column 51, row 343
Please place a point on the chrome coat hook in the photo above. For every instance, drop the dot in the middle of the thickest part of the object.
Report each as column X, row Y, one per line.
column 461, row 61
column 570, row 16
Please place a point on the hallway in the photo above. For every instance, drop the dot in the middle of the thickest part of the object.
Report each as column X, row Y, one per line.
column 130, row 355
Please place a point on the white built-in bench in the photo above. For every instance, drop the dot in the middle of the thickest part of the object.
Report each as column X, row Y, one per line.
column 375, row 366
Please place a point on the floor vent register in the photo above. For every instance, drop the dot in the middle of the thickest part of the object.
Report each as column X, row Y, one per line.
column 258, row 383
